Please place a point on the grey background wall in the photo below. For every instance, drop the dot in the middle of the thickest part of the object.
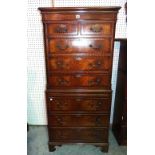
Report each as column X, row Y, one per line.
column 36, row 110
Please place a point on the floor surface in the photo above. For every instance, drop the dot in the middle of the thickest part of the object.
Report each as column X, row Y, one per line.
column 37, row 140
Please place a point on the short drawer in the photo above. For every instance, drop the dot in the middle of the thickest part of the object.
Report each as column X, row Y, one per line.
column 62, row 28
column 91, row 46
column 69, row 104
column 97, row 28
column 80, row 80
column 79, row 63
column 78, row 120
column 79, row 134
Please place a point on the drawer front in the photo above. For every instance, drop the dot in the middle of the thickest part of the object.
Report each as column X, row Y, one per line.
column 79, row 63
column 72, row 16
column 62, row 28
column 82, row 104
column 96, row 28
column 78, row 120
column 80, row 80
column 79, row 134
column 94, row 46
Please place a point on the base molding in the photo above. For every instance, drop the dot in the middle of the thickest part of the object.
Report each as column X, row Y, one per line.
column 103, row 146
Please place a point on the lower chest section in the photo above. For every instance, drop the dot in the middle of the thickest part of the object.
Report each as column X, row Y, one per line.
column 78, row 117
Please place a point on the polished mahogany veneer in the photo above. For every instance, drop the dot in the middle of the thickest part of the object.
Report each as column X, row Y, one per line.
column 79, row 53
column 94, row 46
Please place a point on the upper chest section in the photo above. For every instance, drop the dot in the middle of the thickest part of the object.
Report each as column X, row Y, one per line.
column 79, row 21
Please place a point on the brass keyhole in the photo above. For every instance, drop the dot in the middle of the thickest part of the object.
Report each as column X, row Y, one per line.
column 77, row 16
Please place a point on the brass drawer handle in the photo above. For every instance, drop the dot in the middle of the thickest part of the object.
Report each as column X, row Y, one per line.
column 98, row 120
column 95, row 47
column 96, row 105
column 99, row 103
column 60, row 64
column 97, row 64
column 96, row 135
column 78, row 99
column 62, row 47
column 62, row 81
column 78, row 58
column 97, row 81
column 58, row 105
column 61, row 29
column 59, row 120
column 78, row 76
column 78, row 116
column 61, row 105
column 96, row 28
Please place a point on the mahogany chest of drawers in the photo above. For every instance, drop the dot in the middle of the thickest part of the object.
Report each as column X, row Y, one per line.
column 79, row 53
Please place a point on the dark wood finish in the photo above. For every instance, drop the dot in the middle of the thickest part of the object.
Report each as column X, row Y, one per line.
column 90, row 46
column 79, row 63
column 81, row 104
column 96, row 28
column 104, row 9
column 83, row 16
column 120, row 110
column 79, row 80
column 79, row 134
column 79, row 53
column 82, row 120
column 65, row 28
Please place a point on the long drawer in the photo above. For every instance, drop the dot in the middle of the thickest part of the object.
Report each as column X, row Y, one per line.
column 79, row 80
column 78, row 134
column 83, row 16
column 89, row 103
column 81, row 45
column 79, row 63
column 79, row 120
